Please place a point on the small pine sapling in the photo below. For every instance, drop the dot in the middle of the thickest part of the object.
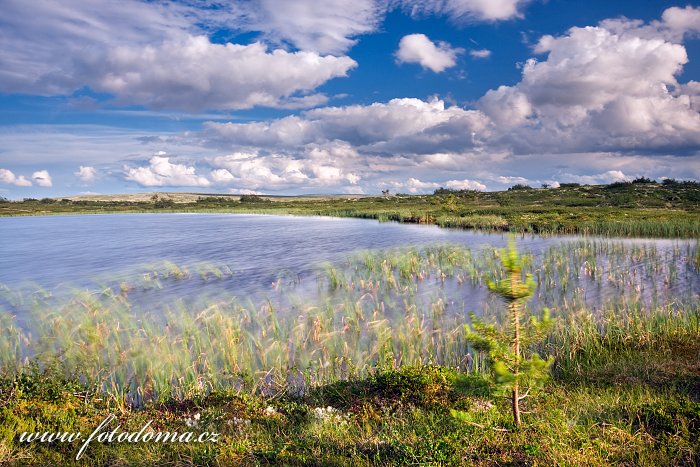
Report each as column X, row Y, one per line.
column 517, row 370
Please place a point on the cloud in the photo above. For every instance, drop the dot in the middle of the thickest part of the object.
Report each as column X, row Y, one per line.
column 42, row 39
column 681, row 21
column 87, row 145
column 399, row 125
column 86, row 174
column 594, row 103
column 161, row 55
column 194, row 73
column 329, row 26
column 414, row 185
column 465, row 185
column 565, row 166
column 243, row 191
column 332, row 26
column 692, row 90
column 417, row 48
column 152, row 54
column 221, row 176
column 600, row 103
column 6, row 176
column 676, row 24
column 161, row 172
column 507, row 106
column 481, row 53
column 599, row 88
column 467, row 10
column 330, row 165
column 604, row 178
column 411, row 185
column 42, row 178
column 510, row 180
column 252, row 171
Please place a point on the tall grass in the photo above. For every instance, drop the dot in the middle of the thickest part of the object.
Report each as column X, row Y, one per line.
column 378, row 309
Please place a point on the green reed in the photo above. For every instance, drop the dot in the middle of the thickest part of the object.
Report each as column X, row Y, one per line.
column 386, row 308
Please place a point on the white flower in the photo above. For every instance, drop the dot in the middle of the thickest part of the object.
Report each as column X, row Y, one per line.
column 328, row 413
column 193, row 421
column 239, row 423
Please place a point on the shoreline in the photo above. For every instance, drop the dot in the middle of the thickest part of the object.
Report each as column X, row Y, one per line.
column 619, row 210
column 692, row 233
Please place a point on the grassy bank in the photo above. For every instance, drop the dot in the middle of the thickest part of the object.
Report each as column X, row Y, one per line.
column 637, row 406
column 647, row 209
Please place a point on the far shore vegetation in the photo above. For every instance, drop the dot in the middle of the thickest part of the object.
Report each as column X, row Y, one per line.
column 641, row 207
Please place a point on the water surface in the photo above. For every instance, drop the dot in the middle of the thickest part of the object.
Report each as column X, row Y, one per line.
column 247, row 256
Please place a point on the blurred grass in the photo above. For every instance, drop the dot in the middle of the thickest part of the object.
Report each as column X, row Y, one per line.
column 396, row 417
column 392, row 308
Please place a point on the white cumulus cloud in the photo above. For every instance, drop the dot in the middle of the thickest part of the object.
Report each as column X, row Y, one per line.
column 243, row 191
column 329, row 165
column 396, row 126
column 193, row 73
column 599, row 88
column 86, row 174
column 609, row 176
column 221, row 176
column 154, row 54
column 414, row 185
column 465, row 185
column 6, row 176
column 675, row 25
column 600, row 102
column 418, row 48
column 42, row 178
column 162, row 172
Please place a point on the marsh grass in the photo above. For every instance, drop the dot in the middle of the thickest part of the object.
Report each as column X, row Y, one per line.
column 377, row 309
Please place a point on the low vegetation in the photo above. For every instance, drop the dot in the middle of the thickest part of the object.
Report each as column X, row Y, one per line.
column 638, row 408
column 640, row 207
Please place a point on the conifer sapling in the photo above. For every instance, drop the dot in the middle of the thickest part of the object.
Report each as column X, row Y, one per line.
column 517, row 370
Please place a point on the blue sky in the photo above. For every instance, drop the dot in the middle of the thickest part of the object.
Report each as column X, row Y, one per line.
column 300, row 96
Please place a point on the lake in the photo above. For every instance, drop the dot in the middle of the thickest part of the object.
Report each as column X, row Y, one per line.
column 82, row 249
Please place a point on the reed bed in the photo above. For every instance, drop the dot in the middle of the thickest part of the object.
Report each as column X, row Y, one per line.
column 375, row 310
